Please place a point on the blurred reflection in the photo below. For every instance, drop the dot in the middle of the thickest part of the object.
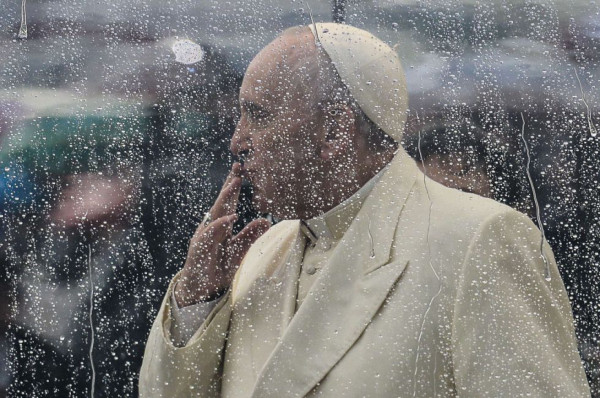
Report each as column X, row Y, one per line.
column 117, row 192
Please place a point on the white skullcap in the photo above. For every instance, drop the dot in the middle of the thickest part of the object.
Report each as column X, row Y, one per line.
column 372, row 72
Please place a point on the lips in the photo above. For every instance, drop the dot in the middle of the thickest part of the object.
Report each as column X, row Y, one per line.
column 245, row 166
column 247, row 173
column 244, row 171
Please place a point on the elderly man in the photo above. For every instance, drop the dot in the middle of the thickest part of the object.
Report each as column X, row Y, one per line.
column 379, row 282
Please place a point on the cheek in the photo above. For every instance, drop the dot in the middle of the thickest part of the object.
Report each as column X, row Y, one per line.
column 288, row 152
column 274, row 148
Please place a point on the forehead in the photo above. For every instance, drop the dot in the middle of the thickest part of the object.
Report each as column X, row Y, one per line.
column 283, row 68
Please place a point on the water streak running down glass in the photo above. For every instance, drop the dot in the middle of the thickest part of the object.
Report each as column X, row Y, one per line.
column 23, row 26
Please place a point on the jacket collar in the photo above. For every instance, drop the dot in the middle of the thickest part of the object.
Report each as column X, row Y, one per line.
column 348, row 292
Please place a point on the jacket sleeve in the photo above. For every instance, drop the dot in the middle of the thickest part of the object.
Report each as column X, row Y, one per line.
column 192, row 370
column 512, row 330
column 186, row 320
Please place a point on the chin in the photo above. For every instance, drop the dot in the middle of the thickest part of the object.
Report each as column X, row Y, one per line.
column 268, row 206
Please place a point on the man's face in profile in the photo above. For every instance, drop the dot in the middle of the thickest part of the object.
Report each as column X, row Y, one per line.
column 280, row 127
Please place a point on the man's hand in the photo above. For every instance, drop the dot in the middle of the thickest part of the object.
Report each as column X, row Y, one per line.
column 214, row 255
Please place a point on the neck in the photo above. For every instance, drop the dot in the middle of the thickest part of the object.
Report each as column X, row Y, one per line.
column 339, row 185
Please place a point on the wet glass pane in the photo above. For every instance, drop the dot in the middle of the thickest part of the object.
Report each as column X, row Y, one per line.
column 118, row 131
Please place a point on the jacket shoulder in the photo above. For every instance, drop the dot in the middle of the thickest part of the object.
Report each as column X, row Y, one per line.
column 457, row 218
column 468, row 209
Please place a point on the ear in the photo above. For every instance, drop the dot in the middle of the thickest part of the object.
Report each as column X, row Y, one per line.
column 340, row 122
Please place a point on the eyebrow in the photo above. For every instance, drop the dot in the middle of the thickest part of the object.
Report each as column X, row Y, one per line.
column 254, row 108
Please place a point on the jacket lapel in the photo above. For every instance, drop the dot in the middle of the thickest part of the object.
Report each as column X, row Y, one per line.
column 347, row 294
column 263, row 302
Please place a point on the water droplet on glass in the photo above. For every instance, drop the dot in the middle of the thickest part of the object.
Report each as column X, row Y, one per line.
column 187, row 52
column 23, row 29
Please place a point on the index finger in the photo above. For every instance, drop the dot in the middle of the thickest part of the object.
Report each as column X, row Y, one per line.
column 228, row 198
column 236, row 171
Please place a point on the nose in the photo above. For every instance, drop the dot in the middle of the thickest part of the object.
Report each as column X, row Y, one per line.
column 241, row 144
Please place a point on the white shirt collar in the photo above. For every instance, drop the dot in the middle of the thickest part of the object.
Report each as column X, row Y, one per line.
column 332, row 225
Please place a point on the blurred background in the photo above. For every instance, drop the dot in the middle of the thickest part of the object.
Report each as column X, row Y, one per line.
column 115, row 121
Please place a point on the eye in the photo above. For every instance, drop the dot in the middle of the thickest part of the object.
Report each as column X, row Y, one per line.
column 256, row 112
